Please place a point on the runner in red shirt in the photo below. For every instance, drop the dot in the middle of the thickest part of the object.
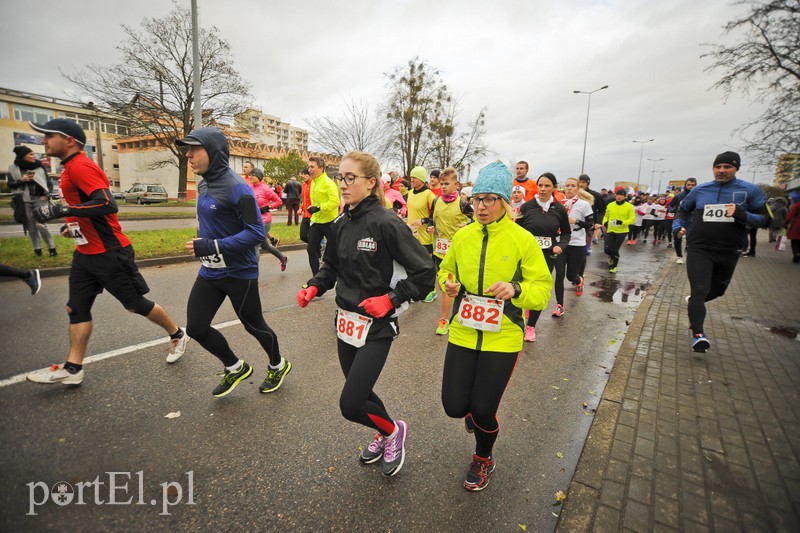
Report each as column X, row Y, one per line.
column 103, row 257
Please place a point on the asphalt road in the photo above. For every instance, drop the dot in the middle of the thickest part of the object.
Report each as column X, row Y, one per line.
column 287, row 461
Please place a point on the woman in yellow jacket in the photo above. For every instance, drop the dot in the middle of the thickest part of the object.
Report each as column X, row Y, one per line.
column 493, row 269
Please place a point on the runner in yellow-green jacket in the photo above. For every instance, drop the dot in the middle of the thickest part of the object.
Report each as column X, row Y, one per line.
column 619, row 215
column 494, row 270
column 324, row 209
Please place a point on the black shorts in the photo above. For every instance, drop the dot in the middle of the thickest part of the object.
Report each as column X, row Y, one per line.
column 114, row 271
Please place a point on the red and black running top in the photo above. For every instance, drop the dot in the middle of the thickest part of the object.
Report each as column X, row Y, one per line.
column 85, row 188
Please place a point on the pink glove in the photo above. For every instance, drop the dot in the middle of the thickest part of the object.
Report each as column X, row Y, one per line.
column 378, row 306
column 306, row 295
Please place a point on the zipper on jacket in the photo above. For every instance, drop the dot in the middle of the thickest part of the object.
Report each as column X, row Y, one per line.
column 481, row 266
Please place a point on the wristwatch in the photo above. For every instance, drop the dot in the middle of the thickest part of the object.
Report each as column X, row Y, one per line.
column 517, row 289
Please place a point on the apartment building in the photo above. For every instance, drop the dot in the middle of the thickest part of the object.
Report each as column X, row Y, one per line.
column 271, row 130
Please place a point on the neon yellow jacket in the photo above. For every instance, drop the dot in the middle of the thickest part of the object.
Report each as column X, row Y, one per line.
column 623, row 213
column 500, row 251
column 325, row 194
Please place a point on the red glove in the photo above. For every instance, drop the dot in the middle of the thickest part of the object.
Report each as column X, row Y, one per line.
column 378, row 306
column 306, row 295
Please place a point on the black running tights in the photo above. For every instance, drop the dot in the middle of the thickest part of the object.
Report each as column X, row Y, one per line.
column 204, row 301
column 613, row 244
column 709, row 277
column 362, row 367
column 576, row 263
column 559, row 264
column 473, row 383
column 6, row 270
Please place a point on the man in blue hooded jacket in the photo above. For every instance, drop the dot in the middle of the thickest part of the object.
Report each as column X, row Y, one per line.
column 230, row 233
column 716, row 214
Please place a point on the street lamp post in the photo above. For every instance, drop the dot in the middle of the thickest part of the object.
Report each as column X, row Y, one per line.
column 641, row 154
column 652, row 174
column 660, row 177
column 586, row 132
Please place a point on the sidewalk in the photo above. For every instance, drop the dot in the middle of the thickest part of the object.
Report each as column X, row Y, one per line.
column 700, row 442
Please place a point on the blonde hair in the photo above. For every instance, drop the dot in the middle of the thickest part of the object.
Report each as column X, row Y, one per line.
column 370, row 168
column 449, row 172
column 583, row 195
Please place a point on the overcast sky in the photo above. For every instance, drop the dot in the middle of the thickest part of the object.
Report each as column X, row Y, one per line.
column 522, row 59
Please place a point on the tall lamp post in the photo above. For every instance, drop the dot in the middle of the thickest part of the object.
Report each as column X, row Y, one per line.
column 586, row 133
column 652, row 174
column 660, row 177
column 641, row 154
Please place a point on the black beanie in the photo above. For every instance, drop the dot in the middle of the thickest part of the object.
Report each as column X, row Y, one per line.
column 730, row 158
column 22, row 151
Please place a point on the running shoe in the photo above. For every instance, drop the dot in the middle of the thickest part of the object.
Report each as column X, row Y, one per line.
column 644, row 240
column 629, row 242
column 177, row 348
column 613, row 270
column 394, row 450
column 56, row 374
column 430, row 297
column 443, row 328
column 700, row 343
column 530, row 334
column 559, row 311
column 579, row 288
column 34, row 281
column 274, row 378
column 469, row 423
column 633, row 241
column 479, row 471
column 231, row 379
column 679, row 260
column 610, row 262
column 669, row 245
column 374, row 451
column 283, row 262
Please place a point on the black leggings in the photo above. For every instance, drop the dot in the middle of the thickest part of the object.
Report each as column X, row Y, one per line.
column 473, row 382
column 204, row 301
column 362, row 367
column 633, row 232
column 6, row 270
column 646, row 225
column 576, row 262
column 315, row 234
column 709, row 277
column 559, row 263
column 659, row 231
column 613, row 244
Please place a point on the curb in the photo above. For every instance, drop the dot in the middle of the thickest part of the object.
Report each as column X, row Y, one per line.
column 583, row 493
column 144, row 263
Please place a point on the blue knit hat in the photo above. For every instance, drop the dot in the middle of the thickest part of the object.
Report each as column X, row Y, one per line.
column 494, row 178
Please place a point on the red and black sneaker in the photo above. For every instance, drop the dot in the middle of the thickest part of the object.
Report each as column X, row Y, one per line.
column 579, row 288
column 479, row 471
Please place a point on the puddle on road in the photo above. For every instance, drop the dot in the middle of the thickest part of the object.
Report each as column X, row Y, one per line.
column 783, row 331
column 611, row 289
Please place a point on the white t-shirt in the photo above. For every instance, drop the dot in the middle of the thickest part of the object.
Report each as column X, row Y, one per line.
column 579, row 210
column 648, row 211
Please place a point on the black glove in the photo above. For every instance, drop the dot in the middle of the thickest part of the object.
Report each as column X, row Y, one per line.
column 313, row 209
column 265, row 209
column 49, row 211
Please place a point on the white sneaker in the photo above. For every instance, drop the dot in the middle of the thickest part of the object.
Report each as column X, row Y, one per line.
column 56, row 374
column 177, row 348
column 679, row 260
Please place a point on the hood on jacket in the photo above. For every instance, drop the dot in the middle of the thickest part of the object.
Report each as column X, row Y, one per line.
column 216, row 145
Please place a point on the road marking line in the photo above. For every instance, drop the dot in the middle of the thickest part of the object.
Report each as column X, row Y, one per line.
column 19, row 378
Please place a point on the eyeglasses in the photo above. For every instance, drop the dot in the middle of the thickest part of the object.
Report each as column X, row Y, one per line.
column 349, row 179
column 487, row 201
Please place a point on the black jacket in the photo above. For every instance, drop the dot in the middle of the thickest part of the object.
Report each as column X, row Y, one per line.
column 554, row 223
column 371, row 252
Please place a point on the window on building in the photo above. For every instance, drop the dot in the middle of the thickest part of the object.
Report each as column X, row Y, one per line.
column 4, row 110
column 116, row 166
column 84, row 121
column 26, row 113
column 113, row 146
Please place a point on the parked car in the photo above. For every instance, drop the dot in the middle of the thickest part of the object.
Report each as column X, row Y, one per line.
column 145, row 194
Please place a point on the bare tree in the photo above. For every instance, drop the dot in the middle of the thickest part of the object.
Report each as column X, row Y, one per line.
column 452, row 146
column 354, row 129
column 152, row 85
column 416, row 91
column 765, row 63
